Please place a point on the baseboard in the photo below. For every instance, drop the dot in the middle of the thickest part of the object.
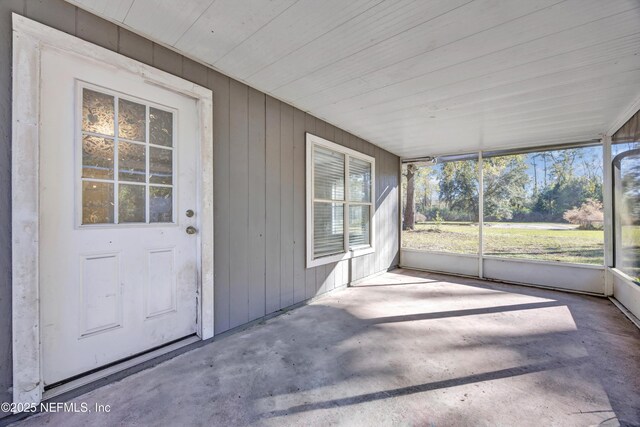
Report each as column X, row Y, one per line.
column 634, row 319
column 529, row 285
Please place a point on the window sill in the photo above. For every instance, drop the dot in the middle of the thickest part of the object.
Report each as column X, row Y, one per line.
column 624, row 276
column 353, row 253
column 362, row 250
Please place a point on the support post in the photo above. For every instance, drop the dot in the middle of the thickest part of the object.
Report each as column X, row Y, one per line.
column 607, row 201
column 480, row 215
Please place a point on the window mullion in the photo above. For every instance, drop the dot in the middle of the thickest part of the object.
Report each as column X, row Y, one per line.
column 313, row 199
column 116, row 166
column 147, row 188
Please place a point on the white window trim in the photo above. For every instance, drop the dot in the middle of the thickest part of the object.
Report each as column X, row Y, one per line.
column 312, row 141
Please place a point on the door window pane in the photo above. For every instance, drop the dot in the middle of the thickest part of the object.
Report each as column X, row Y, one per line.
column 328, row 229
column 131, row 120
column 97, row 157
column 160, row 166
column 97, row 207
column 140, row 165
column 97, row 112
column 160, row 127
column 359, row 225
column 160, row 204
column 328, row 179
column 131, row 203
column 132, row 162
column 359, row 180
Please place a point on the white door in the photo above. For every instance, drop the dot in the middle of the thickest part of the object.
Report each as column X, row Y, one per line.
column 118, row 215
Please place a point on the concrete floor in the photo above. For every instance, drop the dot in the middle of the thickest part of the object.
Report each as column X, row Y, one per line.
column 405, row 348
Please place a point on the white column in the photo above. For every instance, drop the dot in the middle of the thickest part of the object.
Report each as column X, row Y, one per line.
column 607, row 201
column 480, row 215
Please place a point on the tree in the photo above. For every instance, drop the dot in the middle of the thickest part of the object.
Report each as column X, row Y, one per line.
column 424, row 188
column 505, row 182
column 569, row 187
column 408, row 222
column 459, row 188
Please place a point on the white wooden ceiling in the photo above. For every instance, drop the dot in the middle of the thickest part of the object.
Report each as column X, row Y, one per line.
column 417, row 77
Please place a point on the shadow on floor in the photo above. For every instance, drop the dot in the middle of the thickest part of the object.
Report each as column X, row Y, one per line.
column 421, row 388
column 468, row 312
column 388, row 355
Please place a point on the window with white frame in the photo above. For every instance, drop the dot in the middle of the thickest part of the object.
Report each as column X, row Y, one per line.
column 340, row 189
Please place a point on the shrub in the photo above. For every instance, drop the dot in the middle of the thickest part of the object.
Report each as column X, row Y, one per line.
column 589, row 216
column 449, row 214
column 438, row 220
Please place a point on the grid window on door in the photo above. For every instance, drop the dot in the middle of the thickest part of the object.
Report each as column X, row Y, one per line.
column 340, row 201
column 127, row 160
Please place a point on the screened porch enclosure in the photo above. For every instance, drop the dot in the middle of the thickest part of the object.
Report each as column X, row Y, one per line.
column 564, row 216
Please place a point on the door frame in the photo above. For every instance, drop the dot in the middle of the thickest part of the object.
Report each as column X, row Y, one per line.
column 29, row 39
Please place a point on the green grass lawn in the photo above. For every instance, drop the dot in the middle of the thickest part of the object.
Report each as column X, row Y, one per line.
column 536, row 241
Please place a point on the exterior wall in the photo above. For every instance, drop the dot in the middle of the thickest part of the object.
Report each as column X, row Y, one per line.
column 630, row 131
column 259, row 173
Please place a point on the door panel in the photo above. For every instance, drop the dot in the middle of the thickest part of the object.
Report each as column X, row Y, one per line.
column 100, row 298
column 118, row 171
column 160, row 284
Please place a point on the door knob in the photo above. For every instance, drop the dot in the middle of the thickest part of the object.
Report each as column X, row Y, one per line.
column 191, row 230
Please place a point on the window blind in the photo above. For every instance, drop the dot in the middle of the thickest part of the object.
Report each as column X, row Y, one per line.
column 359, row 225
column 328, row 174
column 328, row 228
column 359, row 180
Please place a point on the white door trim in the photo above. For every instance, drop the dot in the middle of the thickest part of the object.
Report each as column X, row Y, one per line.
column 29, row 37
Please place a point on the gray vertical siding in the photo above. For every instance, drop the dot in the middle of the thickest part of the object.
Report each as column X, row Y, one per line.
column 272, row 159
column 299, row 206
column 257, row 204
column 238, row 204
column 259, row 174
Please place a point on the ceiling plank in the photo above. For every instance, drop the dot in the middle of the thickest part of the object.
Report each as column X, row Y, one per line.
column 227, row 24
column 165, row 20
column 531, row 35
column 298, row 25
column 382, row 22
